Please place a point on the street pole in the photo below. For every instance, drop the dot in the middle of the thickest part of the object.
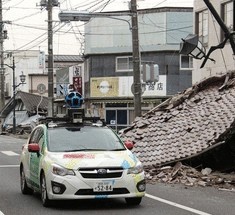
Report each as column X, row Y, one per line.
column 14, row 99
column 50, row 61
column 136, row 59
column 2, row 79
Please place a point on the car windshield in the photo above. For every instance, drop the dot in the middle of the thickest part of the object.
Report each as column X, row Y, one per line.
column 83, row 139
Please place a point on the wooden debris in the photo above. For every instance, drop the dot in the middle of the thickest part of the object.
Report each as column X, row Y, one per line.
column 189, row 176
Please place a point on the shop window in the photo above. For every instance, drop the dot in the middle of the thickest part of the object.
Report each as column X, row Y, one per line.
column 122, row 117
column 117, row 119
column 111, row 117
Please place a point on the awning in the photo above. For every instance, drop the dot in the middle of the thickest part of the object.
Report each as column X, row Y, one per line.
column 125, row 100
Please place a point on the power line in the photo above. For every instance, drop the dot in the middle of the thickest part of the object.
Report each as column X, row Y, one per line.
column 28, row 16
column 85, row 4
column 35, row 39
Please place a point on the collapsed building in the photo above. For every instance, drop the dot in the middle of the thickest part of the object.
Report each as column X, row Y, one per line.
column 194, row 128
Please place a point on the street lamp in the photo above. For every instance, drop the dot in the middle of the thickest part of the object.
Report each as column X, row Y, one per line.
column 14, row 86
column 192, row 46
column 86, row 16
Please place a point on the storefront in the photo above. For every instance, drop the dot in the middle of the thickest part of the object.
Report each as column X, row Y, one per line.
column 111, row 99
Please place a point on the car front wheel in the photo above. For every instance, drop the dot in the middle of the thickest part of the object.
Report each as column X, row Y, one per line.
column 45, row 201
column 23, row 184
column 133, row 201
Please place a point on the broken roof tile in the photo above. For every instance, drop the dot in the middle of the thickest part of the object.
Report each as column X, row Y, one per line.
column 187, row 124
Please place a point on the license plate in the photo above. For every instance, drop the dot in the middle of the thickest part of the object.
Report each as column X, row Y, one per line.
column 103, row 186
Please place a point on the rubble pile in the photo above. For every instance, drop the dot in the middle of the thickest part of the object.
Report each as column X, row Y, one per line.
column 195, row 127
column 188, row 176
column 190, row 124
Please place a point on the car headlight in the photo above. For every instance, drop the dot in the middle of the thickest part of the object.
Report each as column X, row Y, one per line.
column 138, row 168
column 59, row 170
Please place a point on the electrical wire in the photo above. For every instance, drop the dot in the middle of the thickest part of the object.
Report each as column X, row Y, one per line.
column 18, row 3
column 28, row 16
column 159, row 3
column 42, row 40
column 85, row 4
column 105, row 5
column 95, row 5
column 73, row 25
column 99, row 5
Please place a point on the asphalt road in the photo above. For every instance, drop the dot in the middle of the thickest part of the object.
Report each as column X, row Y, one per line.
column 161, row 199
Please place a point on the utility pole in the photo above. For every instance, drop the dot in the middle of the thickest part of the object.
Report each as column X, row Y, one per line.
column 136, row 59
column 50, row 61
column 49, row 4
column 2, row 79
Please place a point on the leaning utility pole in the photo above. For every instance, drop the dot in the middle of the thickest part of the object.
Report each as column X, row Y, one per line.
column 136, row 59
column 2, row 79
column 50, row 61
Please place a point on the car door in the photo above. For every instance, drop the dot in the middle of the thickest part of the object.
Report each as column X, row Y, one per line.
column 34, row 166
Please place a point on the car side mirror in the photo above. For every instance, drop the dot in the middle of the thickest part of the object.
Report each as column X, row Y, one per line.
column 33, row 147
column 129, row 144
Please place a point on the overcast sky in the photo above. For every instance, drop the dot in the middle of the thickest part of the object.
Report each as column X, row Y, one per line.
column 28, row 28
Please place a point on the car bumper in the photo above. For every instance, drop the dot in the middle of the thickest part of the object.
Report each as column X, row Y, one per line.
column 76, row 187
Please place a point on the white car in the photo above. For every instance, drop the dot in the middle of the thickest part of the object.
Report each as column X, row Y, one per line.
column 67, row 161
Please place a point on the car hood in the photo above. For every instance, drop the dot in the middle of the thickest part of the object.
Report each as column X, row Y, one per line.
column 75, row 160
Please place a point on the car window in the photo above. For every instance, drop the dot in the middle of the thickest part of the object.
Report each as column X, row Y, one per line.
column 83, row 139
column 35, row 136
column 41, row 142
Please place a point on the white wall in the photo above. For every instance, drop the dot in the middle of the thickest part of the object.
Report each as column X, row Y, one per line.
column 224, row 57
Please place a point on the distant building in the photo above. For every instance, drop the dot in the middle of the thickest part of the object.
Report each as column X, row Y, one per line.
column 33, row 63
column 109, row 68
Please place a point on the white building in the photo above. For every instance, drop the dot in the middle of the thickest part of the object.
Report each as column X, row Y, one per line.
column 28, row 62
column 211, row 34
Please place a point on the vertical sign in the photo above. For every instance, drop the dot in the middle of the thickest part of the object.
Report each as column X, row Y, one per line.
column 77, row 84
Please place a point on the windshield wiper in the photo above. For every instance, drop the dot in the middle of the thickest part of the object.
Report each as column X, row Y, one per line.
column 117, row 149
column 78, row 150
column 74, row 150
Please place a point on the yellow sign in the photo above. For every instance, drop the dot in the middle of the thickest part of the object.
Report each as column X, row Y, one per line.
column 104, row 87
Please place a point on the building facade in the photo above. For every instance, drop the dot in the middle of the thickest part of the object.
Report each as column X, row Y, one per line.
column 211, row 34
column 108, row 61
column 33, row 64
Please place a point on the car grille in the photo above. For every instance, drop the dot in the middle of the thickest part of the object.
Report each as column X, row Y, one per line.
column 115, row 191
column 106, row 172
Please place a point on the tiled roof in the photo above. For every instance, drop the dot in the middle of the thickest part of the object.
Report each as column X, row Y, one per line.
column 186, row 125
column 67, row 58
column 31, row 101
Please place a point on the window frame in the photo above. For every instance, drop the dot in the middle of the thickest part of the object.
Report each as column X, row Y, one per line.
column 224, row 15
column 186, row 68
column 202, row 26
column 127, row 69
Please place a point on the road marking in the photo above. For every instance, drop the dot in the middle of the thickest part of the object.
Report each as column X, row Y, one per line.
column 1, row 213
column 10, row 153
column 176, row 205
column 8, row 166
